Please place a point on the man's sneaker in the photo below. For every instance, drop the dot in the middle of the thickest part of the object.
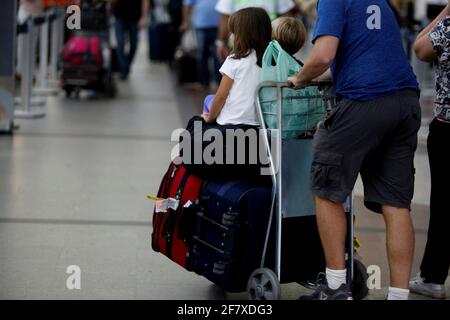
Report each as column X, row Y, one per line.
column 432, row 290
column 323, row 292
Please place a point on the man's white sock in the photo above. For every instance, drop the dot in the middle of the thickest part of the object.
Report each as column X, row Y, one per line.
column 398, row 294
column 336, row 278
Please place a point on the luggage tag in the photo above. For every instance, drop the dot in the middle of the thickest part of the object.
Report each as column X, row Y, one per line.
column 162, row 205
column 153, row 198
column 356, row 243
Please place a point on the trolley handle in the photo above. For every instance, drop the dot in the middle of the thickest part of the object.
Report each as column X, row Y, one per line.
column 287, row 84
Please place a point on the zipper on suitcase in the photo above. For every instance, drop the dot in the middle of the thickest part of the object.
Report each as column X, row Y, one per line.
column 171, row 219
column 167, row 233
column 173, row 172
column 165, row 193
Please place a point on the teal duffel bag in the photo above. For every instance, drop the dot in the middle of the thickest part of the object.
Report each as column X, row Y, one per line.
column 302, row 109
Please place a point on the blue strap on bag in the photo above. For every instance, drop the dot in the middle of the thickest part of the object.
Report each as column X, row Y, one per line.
column 302, row 109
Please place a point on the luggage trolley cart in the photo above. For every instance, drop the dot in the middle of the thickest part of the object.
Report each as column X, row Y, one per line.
column 89, row 74
column 290, row 163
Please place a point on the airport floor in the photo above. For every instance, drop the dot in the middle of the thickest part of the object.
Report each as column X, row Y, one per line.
column 72, row 192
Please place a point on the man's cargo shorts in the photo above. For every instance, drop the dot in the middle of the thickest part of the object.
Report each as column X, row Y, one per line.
column 377, row 138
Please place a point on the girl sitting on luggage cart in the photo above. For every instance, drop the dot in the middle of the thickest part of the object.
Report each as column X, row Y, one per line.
column 290, row 34
column 233, row 106
column 234, row 101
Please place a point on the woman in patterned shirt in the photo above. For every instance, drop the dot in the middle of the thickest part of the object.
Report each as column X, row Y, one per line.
column 433, row 44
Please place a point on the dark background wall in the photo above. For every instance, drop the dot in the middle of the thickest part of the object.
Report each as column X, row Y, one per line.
column 7, row 36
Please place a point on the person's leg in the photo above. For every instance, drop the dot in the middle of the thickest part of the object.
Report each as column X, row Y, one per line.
column 340, row 146
column 120, row 37
column 211, row 43
column 436, row 259
column 134, row 38
column 399, row 244
column 202, row 57
column 332, row 224
column 388, row 190
column 388, row 177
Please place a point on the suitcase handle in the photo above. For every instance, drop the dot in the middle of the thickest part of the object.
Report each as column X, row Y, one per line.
column 201, row 215
column 224, row 254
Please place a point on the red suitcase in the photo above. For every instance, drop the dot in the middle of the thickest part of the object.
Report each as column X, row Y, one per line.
column 167, row 237
column 83, row 50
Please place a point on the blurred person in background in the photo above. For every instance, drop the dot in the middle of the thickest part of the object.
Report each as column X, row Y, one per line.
column 433, row 44
column 201, row 15
column 226, row 8
column 130, row 15
column 308, row 7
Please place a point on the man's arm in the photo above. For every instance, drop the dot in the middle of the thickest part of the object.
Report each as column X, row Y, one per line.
column 423, row 46
column 144, row 13
column 324, row 77
column 320, row 59
column 424, row 49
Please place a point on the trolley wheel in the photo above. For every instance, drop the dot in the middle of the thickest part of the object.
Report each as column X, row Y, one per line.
column 68, row 90
column 77, row 91
column 263, row 284
column 112, row 90
column 359, row 283
column 109, row 86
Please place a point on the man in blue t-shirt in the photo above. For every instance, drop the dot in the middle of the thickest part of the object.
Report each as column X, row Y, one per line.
column 372, row 131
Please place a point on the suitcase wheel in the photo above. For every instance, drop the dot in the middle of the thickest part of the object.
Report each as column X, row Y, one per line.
column 68, row 90
column 229, row 218
column 72, row 89
column 219, row 268
column 263, row 284
column 359, row 283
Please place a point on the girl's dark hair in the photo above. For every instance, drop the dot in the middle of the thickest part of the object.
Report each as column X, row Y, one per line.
column 252, row 29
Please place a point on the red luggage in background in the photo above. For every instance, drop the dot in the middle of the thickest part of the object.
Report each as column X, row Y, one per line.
column 86, row 65
column 167, row 236
column 83, row 50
